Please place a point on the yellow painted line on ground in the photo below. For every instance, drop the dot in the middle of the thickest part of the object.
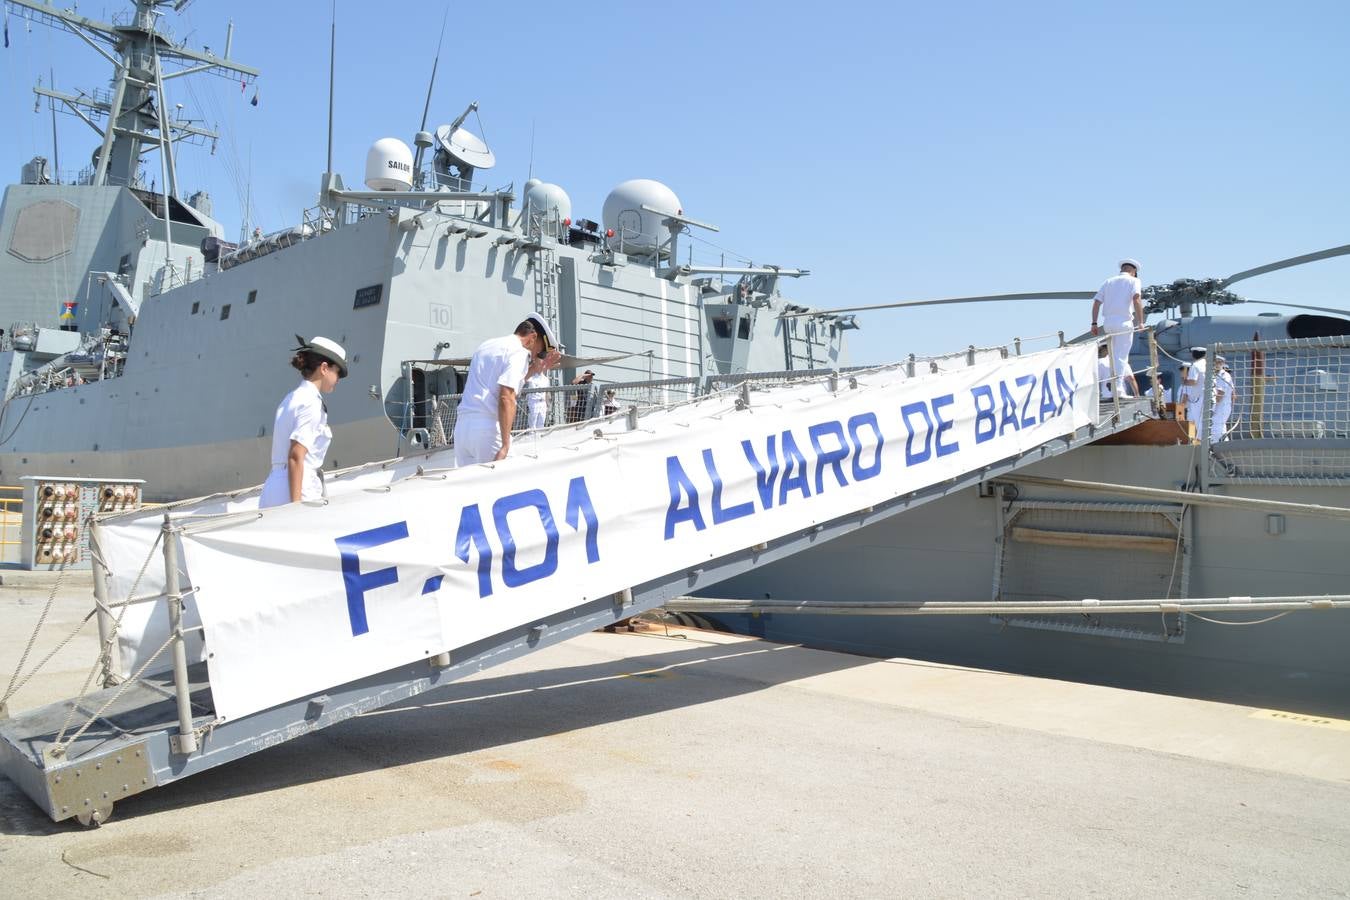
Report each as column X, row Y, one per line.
column 1279, row 715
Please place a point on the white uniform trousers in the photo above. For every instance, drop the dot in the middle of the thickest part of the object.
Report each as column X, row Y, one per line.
column 477, row 440
column 1122, row 339
column 276, row 490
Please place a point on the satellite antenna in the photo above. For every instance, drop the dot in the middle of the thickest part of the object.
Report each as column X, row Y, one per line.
column 462, row 149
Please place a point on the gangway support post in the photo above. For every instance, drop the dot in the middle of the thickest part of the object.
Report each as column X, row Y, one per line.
column 187, row 737
column 107, row 625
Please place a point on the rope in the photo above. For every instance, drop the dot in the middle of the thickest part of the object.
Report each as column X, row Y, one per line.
column 104, row 654
column 1280, row 615
column 60, row 748
column 32, row 639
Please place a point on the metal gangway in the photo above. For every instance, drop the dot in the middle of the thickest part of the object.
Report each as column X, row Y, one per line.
column 158, row 711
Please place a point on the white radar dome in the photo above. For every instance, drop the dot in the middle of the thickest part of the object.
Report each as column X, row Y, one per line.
column 389, row 166
column 633, row 226
column 541, row 198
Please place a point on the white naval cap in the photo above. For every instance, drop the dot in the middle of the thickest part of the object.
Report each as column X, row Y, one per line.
column 1129, row 262
column 328, row 349
column 1199, row 351
column 543, row 329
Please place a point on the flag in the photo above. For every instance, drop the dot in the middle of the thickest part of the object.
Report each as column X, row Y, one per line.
column 243, row 85
column 6, row 27
column 254, row 101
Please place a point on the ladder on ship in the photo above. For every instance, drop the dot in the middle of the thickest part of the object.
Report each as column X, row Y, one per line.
column 76, row 758
column 546, row 284
column 798, row 345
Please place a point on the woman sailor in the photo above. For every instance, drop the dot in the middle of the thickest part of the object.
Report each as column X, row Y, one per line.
column 301, row 435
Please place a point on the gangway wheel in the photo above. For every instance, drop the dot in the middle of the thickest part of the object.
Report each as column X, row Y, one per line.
column 96, row 815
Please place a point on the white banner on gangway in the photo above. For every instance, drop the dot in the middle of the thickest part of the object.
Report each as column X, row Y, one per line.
column 299, row 599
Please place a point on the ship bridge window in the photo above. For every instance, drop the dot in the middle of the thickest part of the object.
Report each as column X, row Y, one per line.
column 722, row 327
column 224, row 312
column 154, row 203
column 1318, row 326
column 743, row 330
column 195, row 307
column 252, row 296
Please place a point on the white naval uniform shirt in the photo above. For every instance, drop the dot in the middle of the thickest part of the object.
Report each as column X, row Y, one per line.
column 537, row 403
column 302, row 418
column 1116, row 295
column 1223, row 406
column 497, row 363
column 1194, row 394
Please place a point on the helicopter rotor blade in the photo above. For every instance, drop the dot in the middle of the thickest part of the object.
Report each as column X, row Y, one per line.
column 1326, row 309
column 1286, row 263
column 989, row 298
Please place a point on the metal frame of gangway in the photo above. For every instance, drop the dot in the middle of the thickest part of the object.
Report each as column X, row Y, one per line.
column 162, row 728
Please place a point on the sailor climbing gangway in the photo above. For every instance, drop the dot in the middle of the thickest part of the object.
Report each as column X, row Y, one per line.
column 227, row 629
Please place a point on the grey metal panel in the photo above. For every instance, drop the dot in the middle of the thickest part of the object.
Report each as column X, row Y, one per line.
column 44, row 230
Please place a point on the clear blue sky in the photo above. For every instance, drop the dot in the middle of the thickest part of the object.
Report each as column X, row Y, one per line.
column 898, row 150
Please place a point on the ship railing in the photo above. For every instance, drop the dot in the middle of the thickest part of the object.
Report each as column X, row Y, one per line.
column 85, row 176
column 1289, row 421
column 313, row 224
column 545, row 223
column 429, row 421
column 432, row 421
column 428, row 179
column 317, row 220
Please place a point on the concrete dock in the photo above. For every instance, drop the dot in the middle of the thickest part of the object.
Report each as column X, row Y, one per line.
column 686, row 764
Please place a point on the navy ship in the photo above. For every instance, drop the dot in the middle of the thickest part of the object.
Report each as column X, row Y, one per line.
column 145, row 344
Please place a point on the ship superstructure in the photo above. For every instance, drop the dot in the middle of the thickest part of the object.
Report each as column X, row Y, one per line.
column 171, row 360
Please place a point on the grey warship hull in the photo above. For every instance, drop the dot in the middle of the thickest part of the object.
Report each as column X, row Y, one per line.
column 1084, row 536
column 949, row 551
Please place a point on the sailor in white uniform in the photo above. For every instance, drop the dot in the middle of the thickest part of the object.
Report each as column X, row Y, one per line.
column 536, row 402
column 1193, row 390
column 1224, row 394
column 487, row 408
column 300, row 433
column 1122, row 311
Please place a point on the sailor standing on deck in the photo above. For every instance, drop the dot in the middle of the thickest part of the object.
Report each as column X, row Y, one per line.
column 300, row 434
column 1193, row 390
column 536, row 402
column 1224, row 392
column 1122, row 310
column 487, row 408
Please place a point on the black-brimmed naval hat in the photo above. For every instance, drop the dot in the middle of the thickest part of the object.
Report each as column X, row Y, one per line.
column 543, row 329
column 327, row 349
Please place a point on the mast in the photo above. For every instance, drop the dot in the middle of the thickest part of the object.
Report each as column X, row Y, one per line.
column 332, row 77
column 131, row 124
column 423, row 140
